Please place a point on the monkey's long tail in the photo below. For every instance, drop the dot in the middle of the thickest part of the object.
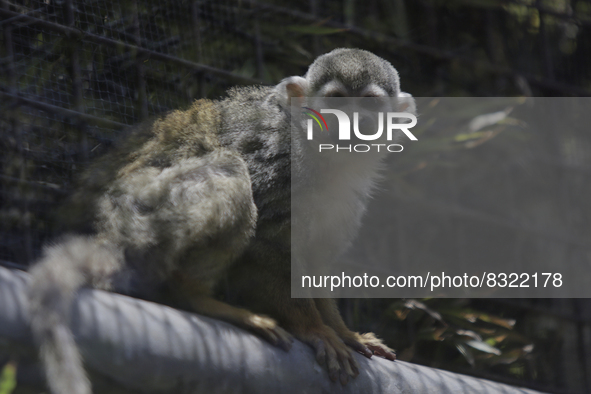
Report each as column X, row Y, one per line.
column 63, row 269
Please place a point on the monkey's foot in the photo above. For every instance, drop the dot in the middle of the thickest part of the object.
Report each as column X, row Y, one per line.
column 263, row 326
column 368, row 344
column 269, row 330
column 331, row 352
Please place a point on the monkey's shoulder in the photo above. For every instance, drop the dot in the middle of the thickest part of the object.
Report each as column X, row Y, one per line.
column 254, row 122
column 253, row 93
column 205, row 126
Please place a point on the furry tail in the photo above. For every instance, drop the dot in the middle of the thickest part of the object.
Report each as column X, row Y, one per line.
column 62, row 270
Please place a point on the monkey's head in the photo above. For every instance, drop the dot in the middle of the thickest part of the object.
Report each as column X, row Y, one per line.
column 344, row 73
column 352, row 73
column 347, row 73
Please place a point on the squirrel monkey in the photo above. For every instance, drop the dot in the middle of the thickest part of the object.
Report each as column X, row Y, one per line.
column 202, row 194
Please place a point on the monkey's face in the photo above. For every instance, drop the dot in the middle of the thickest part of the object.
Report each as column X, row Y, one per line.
column 337, row 88
column 346, row 89
column 368, row 84
column 348, row 119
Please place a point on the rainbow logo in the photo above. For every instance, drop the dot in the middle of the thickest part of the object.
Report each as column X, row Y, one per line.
column 315, row 115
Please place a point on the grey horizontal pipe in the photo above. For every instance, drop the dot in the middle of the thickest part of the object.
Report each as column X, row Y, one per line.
column 142, row 346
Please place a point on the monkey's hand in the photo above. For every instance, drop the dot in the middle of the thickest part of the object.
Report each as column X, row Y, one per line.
column 268, row 329
column 332, row 352
column 368, row 344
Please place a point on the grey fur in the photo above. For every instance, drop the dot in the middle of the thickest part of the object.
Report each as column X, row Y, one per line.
column 353, row 71
column 203, row 193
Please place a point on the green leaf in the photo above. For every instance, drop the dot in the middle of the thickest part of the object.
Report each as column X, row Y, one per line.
column 470, row 136
column 8, row 378
column 415, row 304
column 483, row 347
column 507, row 323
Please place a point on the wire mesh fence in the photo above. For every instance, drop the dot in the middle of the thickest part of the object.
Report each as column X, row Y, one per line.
column 74, row 74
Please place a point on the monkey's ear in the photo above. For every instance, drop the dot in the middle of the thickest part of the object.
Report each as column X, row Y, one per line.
column 406, row 103
column 292, row 87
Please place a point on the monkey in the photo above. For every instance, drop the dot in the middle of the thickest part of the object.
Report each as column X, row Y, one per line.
column 203, row 194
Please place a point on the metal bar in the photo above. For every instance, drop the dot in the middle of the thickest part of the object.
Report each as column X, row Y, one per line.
column 90, row 37
column 197, row 37
column 52, row 188
column 258, row 48
column 197, row 28
column 142, row 98
column 66, row 112
column 9, row 53
column 10, row 20
column 75, row 76
column 545, row 47
column 15, row 126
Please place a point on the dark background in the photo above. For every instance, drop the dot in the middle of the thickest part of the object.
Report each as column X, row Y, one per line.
column 75, row 74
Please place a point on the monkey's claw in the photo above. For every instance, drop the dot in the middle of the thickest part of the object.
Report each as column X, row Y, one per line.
column 368, row 344
column 331, row 351
column 270, row 330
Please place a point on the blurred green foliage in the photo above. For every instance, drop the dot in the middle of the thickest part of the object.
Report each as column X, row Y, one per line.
column 8, row 378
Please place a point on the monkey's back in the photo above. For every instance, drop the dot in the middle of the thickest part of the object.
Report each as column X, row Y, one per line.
column 256, row 125
column 158, row 143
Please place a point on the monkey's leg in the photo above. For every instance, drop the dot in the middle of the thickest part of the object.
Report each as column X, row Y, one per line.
column 204, row 304
column 304, row 321
column 262, row 279
column 300, row 317
column 186, row 225
column 366, row 344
